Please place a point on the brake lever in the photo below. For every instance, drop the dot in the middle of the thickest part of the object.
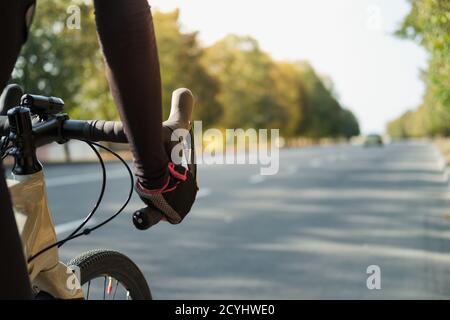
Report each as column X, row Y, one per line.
column 145, row 218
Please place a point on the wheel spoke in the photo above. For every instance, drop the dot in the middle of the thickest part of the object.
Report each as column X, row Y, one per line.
column 104, row 289
column 110, row 289
column 115, row 290
column 88, row 288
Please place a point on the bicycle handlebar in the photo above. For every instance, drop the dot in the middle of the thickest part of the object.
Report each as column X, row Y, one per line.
column 62, row 130
column 55, row 130
column 94, row 130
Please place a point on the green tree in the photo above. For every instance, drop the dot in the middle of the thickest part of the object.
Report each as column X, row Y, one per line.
column 428, row 23
column 247, row 88
column 287, row 85
column 349, row 126
column 180, row 55
column 325, row 111
column 235, row 82
column 258, row 92
column 65, row 62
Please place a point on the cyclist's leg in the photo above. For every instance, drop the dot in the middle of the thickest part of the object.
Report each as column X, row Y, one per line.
column 127, row 36
column 14, row 281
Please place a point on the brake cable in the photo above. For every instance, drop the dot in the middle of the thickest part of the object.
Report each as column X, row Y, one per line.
column 87, row 231
column 99, row 199
column 130, row 194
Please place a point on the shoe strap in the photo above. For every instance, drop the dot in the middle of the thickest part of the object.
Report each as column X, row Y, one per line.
column 174, row 173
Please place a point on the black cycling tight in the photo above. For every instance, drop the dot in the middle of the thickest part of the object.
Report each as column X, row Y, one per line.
column 127, row 38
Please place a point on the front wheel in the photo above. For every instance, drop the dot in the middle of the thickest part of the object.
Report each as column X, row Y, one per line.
column 110, row 275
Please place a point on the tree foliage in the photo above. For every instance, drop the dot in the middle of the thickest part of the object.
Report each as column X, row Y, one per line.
column 236, row 83
column 180, row 54
column 428, row 23
column 62, row 61
column 259, row 92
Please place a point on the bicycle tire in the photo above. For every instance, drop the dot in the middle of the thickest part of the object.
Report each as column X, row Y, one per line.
column 100, row 263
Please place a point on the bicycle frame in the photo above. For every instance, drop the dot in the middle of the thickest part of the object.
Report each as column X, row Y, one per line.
column 37, row 231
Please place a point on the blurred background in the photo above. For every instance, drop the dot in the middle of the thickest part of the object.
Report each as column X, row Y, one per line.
column 360, row 90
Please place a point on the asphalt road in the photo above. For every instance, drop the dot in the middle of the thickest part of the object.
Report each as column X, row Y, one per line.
column 309, row 232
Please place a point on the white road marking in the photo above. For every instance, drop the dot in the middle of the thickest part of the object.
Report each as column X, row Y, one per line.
column 447, row 175
column 70, row 226
column 442, row 163
column 256, row 178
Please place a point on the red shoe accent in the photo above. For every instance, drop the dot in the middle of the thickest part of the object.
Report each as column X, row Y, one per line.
column 151, row 191
column 176, row 174
column 164, row 189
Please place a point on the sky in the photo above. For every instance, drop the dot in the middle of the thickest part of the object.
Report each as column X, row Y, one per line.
column 375, row 74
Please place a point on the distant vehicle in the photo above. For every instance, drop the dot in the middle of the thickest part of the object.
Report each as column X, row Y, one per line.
column 373, row 140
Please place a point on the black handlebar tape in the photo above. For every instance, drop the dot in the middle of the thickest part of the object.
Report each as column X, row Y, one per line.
column 111, row 131
column 145, row 218
column 94, row 130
